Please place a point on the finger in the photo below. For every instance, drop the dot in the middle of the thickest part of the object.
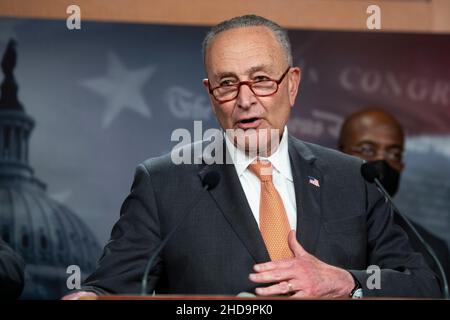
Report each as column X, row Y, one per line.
column 72, row 296
column 294, row 245
column 276, row 289
column 272, row 276
column 300, row 294
column 79, row 295
column 273, row 265
column 267, row 266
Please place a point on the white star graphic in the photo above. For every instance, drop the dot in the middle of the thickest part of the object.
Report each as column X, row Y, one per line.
column 121, row 88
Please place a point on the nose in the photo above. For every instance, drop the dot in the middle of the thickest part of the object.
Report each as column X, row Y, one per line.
column 246, row 98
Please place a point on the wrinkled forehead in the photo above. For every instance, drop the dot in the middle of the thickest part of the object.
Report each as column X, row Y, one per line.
column 382, row 135
column 243, row 49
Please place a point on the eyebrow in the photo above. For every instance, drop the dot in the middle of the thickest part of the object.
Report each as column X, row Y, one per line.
column 396, row 146
column 366, row 142
column 260, row 67
column 393, row 146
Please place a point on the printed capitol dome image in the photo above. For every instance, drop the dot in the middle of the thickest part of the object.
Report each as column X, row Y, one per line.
column 47, row 234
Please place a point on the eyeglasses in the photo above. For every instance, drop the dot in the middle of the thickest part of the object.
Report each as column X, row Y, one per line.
column 369, row 153
column 260, row 88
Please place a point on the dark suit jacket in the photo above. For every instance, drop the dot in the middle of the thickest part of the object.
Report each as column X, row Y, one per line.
column 11, row 272
column 344, row 222
column 438, row 245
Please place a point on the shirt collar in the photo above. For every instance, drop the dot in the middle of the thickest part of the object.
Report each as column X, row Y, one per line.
column 279, row 159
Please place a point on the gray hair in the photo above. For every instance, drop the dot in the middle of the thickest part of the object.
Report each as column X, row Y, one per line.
column 250, row 21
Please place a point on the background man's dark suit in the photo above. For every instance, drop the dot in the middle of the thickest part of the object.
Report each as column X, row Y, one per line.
column 11, row 272
column 344, row 222
column 439, row 246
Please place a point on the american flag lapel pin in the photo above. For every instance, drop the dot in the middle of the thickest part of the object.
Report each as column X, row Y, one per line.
column 314, row 181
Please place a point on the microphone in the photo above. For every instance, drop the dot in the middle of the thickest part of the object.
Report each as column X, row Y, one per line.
column 371, row 175
column 209, row 181
column 369, row 172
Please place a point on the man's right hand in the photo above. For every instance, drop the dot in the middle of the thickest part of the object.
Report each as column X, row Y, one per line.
column 79, row 295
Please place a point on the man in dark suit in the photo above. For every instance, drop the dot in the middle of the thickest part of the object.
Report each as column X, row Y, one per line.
column 376, row 136
column 11, row 272
column 287, row 217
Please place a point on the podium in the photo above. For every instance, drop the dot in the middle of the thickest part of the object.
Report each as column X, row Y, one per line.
column 164, row 297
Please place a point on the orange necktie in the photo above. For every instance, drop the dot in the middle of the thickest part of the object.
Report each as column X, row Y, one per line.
column 273, row 220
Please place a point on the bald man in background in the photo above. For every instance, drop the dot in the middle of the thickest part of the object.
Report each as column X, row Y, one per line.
column 376, row 136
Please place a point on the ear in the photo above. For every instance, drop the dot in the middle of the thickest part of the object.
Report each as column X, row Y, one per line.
column 294, row 83
column 206, row 84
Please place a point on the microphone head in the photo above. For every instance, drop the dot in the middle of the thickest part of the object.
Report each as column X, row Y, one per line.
column 211, row 180
column 369, row 172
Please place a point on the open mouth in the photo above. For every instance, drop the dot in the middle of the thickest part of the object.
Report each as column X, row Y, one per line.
column 250, row 120
column 249, row 123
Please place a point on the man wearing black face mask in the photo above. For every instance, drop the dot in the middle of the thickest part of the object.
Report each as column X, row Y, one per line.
column 389, row 177
column 376, row 136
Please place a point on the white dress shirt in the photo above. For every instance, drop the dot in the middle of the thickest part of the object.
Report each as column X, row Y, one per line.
column 281, row 177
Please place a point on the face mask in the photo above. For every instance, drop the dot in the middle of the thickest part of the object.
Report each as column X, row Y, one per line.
column 389, row 177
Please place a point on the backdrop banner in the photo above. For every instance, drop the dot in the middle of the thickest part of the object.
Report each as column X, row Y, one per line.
column 108, row 96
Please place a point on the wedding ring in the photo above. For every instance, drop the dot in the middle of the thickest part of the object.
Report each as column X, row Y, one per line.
column 290, row 287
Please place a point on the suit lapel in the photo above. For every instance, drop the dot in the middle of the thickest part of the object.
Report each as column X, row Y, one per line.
column 231, row 200
column 307, row 194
